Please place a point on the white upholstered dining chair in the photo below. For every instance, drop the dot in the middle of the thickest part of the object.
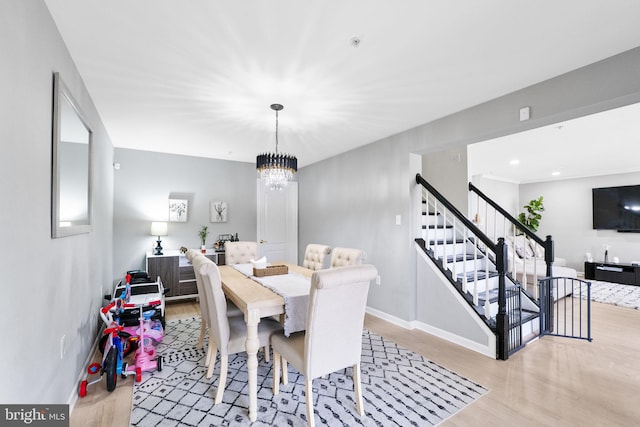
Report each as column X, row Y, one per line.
column 226, row 334
column 240, row 252
column 315, row 256
column 232, row 309
column 333, row 337
column 346, row 256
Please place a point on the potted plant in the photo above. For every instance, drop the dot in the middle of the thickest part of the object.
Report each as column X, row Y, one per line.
column 204, row 231
column 532, row 218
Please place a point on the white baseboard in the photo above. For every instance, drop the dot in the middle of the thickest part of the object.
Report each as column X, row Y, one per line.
column 73, row 397
column 488, row 350
column 389, row 318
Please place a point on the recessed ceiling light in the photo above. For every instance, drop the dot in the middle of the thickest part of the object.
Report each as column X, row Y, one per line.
column 514, row 162
column 556, row 173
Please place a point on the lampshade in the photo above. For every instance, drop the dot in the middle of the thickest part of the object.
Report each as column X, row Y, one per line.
column 276, row 169
column 158, row 228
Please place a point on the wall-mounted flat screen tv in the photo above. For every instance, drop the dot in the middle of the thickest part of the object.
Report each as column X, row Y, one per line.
column 617, row 208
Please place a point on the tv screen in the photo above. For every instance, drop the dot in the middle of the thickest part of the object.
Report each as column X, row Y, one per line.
column 617, row 208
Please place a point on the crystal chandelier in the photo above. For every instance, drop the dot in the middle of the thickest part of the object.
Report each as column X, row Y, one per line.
column 276, row 169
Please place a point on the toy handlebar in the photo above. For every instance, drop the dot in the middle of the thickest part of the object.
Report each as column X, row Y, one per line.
column 114, row 329
column 108, row 320
column 106, row 309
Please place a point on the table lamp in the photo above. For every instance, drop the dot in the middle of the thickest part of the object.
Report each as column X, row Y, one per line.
column 158, row 229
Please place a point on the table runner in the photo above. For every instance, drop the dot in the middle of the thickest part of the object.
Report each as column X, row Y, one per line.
column 293, row 288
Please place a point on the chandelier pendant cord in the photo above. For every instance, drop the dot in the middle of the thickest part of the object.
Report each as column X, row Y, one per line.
column 276, row 131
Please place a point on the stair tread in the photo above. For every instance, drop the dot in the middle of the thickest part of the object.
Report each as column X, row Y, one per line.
column 448, row 242
column 527, row 316
column 493, row 294
column 482, row 274
column 463, row 257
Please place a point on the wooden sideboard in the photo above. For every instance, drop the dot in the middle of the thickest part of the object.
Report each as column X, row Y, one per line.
column 177, row 273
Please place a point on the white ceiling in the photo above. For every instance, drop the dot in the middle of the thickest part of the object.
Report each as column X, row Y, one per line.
column 197, row 77
column 599, row 144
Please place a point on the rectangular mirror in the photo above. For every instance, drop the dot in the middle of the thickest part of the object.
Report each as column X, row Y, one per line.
column 71, row 165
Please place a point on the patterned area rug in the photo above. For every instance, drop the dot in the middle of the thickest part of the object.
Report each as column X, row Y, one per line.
column 616, row 294
column 399, row 388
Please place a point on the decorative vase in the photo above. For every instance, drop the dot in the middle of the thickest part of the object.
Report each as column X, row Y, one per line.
column 203, row 249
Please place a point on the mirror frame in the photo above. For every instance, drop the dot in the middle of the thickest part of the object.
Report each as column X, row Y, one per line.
column 62, row 94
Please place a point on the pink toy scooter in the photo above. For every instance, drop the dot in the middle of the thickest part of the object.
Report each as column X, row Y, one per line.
column 149, row 333
column 114, row 343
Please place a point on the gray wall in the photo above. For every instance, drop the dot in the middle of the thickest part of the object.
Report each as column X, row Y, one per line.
column 50, row 287
column 568, row 218
column 143, row 185
column 506, row 194
column 352, row 199
column 447, row 171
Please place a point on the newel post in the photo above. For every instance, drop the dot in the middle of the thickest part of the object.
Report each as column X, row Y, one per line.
column 502, row 318
column 548, row 254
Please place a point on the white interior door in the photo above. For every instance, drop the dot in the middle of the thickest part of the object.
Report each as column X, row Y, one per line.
column 278, row 223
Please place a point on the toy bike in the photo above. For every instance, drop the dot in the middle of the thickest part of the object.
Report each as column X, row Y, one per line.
column 118, row 342
column 130, row 335
column 113, row 355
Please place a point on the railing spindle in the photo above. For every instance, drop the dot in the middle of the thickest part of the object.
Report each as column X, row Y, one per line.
column 475, row 272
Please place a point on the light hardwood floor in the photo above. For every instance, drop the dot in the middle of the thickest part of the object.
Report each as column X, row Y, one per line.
column 551, row 382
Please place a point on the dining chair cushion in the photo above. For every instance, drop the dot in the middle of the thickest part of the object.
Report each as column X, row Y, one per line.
column 293, row 350
column 238, row 333
column 240, row 252
column 315, row 256
column 346, row 256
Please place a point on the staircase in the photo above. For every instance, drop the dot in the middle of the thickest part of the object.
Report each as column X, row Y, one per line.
column 502, row 307
column 476, row 267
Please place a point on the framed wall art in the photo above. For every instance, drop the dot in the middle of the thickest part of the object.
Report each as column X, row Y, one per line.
column 218, row 211
column 178, row 210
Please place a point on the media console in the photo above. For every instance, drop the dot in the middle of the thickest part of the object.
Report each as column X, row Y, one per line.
column 628, row 274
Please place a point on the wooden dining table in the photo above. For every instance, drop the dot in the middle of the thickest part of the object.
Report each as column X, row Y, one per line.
column 256, row 302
